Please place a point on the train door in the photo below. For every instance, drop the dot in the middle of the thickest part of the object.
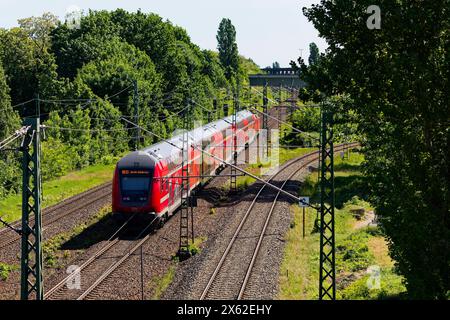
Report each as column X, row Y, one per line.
column 171, row 192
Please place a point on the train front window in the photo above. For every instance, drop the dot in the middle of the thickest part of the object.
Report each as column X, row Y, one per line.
column 135, row 183
column 135, row 186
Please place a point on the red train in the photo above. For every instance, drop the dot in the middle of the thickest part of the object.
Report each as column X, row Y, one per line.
column 149, row 181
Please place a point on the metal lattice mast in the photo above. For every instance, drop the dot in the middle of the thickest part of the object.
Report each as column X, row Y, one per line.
column 136, row 114
column 280, row 97
column 185, row 209
column 233, row 173
column 279, row 109
column 327, row 283
column 265, row 118
column 293, row 97
column 31, row 262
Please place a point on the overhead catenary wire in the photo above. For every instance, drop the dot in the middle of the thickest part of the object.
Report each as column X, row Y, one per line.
column 174, row 114
column 86, row 130
column 223, row 162
column 88, row 100
column 152, row 133
column 287, row 124
column 18, row 105
column 273, row 101
column 277, row 146
column 201, row 106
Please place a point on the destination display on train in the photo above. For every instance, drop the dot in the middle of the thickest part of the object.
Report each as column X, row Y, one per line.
column 135, row 172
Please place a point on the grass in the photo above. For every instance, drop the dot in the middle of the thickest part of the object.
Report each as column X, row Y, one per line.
column 262, row 167
column 195, row 247
column 5, row 270
column 161, row 283
column 297, row 275
column 59, row 189
column 391, row 287
column 356, row 249
column 284, row 154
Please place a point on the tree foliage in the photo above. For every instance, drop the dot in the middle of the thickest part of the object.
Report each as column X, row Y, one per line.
column 227, row 46
column 9, row 121
column 314, row 54
column 85, row 79
column 398, row 77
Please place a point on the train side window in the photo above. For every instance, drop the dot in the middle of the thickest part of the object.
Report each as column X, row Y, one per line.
column 164, row 184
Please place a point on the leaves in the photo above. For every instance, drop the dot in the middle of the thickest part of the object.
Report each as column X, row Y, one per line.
column 85, row 77
column 227, row 46
column 398, row 78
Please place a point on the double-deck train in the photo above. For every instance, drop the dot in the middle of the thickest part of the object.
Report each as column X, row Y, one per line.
column 149, row 181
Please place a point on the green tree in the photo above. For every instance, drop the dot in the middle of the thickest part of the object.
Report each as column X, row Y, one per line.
column 40, row 28
column 86, row 72
column 179, row 62
column 9, row 122
column 398, row 77
column 314, row 54
column 28, row 64
column 228, row 49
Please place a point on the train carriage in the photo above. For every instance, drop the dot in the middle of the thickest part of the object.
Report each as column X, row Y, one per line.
column 149, row 181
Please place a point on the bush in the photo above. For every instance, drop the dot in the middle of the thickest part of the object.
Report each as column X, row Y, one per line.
column 57, row 159
column 5, row 270
column 352, row 253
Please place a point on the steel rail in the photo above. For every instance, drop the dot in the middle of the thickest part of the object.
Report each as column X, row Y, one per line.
column 7, row 240
column 233, row 239
column 236, row 233
column 112, row 240
column 70, row 200
column 263, row 232
column 119, row 262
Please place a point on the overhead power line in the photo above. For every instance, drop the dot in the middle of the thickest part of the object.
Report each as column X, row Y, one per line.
column 85, row 130
column 285, row 123
column 152, row 133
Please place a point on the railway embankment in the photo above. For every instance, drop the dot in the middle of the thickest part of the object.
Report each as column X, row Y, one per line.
column 364, row 269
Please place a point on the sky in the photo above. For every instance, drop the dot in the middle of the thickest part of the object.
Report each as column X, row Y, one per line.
column 267, row 30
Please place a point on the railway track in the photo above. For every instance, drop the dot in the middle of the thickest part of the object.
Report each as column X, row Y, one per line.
column 231, row 275
column 59, row 211
column 99, row 267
